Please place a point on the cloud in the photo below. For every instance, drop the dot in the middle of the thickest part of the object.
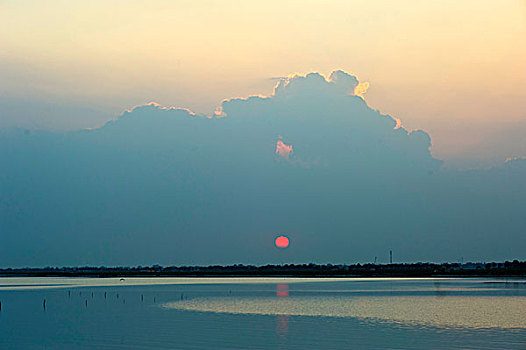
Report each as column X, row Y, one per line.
column 166, row 185
column 166, row 108
column 283, row 150
column 361, row 89
column 338, row 83
column 34, row 114
column 346, row 82
column 327, row 122
column 503, row 141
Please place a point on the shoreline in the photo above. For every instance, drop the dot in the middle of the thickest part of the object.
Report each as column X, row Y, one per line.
column 494, row 270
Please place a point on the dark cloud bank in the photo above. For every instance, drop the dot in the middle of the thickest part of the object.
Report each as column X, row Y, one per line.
column 162, row 185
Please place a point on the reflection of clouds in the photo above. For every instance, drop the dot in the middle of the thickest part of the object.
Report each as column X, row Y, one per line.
column 447, row 311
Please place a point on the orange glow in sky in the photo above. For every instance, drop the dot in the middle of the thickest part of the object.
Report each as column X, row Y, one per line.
column 451, row 68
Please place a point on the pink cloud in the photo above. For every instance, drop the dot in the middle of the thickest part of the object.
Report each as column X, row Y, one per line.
column 283, row 150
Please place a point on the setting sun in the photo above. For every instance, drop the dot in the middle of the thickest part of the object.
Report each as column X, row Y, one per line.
column 282, row 242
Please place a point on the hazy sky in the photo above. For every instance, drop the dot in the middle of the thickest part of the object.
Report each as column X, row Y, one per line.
column 313, row 161
column 454, row 68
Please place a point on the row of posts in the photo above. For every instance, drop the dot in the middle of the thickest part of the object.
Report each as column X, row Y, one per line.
column 105, row 297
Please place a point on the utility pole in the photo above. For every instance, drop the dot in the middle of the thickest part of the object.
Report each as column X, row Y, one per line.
column 390, row 257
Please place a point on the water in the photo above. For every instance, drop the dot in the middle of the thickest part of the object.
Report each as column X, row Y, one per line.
column 262, row 313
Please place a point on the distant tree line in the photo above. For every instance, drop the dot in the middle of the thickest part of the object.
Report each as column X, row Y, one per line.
column 507, row 268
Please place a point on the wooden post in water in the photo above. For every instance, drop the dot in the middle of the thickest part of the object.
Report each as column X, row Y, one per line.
column 44, row 304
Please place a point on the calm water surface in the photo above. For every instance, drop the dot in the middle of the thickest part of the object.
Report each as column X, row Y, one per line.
column 262, row 313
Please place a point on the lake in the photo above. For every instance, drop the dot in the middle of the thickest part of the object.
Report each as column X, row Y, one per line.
column 262, row 313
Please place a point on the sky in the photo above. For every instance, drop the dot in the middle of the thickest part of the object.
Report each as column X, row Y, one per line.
column 311, row 161
column 196, row 132
column 453, row 68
